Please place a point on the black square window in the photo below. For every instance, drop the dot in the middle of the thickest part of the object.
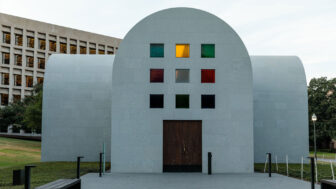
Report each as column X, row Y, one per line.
column 156, row 101
column 208, row 101
column 182, row 101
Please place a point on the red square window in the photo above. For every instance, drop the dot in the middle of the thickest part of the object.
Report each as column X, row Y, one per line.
column 208, row 76
column 156, row 75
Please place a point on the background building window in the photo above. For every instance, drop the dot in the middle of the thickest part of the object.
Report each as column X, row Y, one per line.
column 182, row 76
column 6, row 37
column 16, row 98
column 30, row 61
column 18, row 60
column 208, row 51
column 92, row 51
column 40, row 80
column 182, row 50
column 42, row 44
column 73, row 49
column 29, row 81
column 208, row 101
column 101, row 52
column 41, row 63
column 52, row 46
column 82, row 50
column 5, row 58
column 156, row 50
column 208, row 76
column 5, row 79
column 4, row 99
column 63, row 48
column 17, row 80
column 182, row 101
column 110, row 52
column 156, row 101
column 156, row 75
column 18, row 40
column 30, row 42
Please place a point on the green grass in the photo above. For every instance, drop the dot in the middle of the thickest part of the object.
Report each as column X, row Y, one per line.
column 326, row 155
column 294, row 170
column 15, row 152
column 47, row 172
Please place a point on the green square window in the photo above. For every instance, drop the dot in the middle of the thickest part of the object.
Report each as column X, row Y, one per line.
column 182, row 101
column 156, row 50
column 208, row 51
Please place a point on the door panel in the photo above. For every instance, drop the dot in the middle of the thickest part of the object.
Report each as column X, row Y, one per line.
column 182, row 145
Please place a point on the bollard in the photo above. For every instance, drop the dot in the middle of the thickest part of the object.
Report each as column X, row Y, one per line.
column 209, row 163
column 269, row 164
column 78, row 166
column 312, row 168
column 27, row 175
column 100, row 164
column 18, row 177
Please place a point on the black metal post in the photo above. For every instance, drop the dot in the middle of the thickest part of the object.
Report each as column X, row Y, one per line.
column 312, row 171
column 27, row 175
column 78, row 166
column 100, row 164
column 209, row 163
column 269, row 164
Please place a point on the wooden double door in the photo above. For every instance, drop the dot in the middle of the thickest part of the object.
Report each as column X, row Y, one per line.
column 182, row 146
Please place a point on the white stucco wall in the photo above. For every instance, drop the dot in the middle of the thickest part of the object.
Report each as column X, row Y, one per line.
column 280, row 108
column 137, row 130
column 76, row 108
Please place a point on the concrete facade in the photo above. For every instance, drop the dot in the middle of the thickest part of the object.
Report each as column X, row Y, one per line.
column 280, row 108
column 260, row 102
column 76, row 107
column 18, row 75
column 137, row 130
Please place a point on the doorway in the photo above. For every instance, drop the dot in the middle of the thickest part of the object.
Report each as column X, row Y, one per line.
column 182, row 146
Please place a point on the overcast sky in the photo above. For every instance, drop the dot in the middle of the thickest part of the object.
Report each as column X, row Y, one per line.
column 306, row 28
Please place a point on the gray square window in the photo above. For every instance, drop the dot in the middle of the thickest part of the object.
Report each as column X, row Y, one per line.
column 182, row 76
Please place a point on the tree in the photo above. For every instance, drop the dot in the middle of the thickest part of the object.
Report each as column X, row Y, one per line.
column 322, row 102
column 26, row 114
column 33, row 111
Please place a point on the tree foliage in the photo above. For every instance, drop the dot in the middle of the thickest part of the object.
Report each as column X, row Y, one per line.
column 322, row 102
column 26, row 114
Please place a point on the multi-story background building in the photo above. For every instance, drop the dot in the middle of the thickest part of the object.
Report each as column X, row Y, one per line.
column 26, row 44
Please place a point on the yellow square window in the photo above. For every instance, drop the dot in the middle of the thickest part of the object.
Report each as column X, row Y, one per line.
column 182, row 51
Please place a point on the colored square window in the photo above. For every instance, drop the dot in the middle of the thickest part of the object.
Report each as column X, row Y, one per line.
column 182, row 101
column 208, row 101
column 182, row 76
column 208, row 76
column 156, row 75
column 156, row 101
column 156, row 50
column 182, row 50
column 208, row 51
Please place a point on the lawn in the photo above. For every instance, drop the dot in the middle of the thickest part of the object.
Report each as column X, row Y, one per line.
column 46, row 172
column 294, row 170
column 15, row 153
column 325, row 155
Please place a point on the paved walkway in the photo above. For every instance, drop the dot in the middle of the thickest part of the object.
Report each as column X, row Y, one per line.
column 192, row 181
column 326, row 160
